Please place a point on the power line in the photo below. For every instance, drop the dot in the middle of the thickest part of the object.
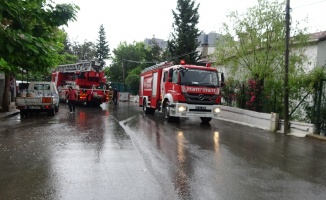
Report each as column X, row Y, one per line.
column 141, row 62
column 309, row 4
column 147, row 62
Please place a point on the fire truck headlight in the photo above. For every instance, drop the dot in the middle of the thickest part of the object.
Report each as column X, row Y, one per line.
column 217, row 110
column 182, row 108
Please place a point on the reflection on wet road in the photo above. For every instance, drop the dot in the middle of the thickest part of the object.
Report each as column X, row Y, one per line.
column 120, row 153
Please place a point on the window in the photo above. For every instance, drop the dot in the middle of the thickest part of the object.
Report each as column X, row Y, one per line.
column 175, row 76
column 199, row 77
column 41, row 87
column 165, row 76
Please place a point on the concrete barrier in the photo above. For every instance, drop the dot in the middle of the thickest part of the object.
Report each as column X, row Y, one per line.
column 134, row 98
column 264, row 121
column 298, row 129
column 123, row 96
column 247, row 117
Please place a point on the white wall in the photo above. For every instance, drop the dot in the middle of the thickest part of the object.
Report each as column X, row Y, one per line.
column 321, row 55
column 311, row 51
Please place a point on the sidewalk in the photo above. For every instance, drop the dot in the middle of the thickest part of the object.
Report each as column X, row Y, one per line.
column 12, row 111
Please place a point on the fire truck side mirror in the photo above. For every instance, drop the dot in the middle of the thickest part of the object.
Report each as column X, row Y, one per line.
column 170, row 74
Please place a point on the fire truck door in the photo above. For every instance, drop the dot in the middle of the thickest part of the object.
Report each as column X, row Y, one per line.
column 163, row 80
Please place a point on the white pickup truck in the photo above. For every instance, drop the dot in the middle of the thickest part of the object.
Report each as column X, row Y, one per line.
column 39, row 97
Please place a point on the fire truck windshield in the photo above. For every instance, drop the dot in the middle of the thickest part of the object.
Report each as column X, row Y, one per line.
column 198, row 77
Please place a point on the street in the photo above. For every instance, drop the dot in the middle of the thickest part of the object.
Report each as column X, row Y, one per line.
column 117, row 152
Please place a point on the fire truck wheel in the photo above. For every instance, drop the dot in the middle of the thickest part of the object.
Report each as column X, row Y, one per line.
column 145, row 109
column 206, row 119
column 167, row 113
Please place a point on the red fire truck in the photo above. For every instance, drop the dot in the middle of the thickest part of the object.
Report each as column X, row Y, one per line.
column 86, row 77
column 180, row 91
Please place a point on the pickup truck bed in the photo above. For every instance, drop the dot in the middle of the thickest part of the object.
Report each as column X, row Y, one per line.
column 47, row 99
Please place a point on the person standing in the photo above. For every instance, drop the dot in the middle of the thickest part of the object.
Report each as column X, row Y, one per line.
column 72, row 96
column 115, row 95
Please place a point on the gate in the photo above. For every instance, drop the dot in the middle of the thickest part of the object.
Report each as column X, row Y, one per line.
column 320, row 108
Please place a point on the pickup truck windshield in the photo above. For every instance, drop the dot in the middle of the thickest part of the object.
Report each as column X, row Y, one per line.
column 199, row 78
column 42, row 87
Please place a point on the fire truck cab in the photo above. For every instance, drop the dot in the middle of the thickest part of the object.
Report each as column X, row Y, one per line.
column 180, row 91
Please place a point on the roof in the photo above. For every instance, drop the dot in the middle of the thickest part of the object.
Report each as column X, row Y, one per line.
column 318, row 36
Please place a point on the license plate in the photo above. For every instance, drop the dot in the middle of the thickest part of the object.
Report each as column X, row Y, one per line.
column 46, row 100
column 34, row 107
column 200, row 107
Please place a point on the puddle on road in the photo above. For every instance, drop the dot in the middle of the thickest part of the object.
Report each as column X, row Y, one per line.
column 105, row 106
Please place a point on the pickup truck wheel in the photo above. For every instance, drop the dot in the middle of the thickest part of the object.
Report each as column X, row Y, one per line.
column 23, row 113
column 206, row 120
column 56, row 108
column 51, row 112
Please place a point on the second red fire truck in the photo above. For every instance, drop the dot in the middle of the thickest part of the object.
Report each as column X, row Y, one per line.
column 86, row 77
column 180, row 91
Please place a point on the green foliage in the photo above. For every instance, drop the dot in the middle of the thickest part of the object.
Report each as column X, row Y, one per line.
column 229, row 91
column 255, row 44
column 66, row 53
column 122, row 55
column 102, row 47
column 253, row 47
column 85, row 51
column 3, row 64
column 68, row 59
column 154, row 51
column 184, row 40
column 133, row 80
column 29, row 34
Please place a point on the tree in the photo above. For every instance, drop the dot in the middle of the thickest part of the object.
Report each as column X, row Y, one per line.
column 130, row 59
column 30, row 38
column 102, row 47
column 68, row 56
column 253, row 46
column 154, row 51
column 184, row 40
column 85, row 51
column 133, row 79
column 126, row 57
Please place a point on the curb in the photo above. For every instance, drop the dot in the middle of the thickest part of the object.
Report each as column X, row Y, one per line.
column 317, row 137
column 8, row 114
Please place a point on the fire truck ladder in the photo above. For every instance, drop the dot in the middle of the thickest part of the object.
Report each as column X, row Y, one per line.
column 83, row 66
column 158, row 66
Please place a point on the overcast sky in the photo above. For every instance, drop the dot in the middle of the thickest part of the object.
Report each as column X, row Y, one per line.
column 135, row 20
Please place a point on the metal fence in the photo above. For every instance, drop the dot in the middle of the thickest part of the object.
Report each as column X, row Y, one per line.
column 320, row 108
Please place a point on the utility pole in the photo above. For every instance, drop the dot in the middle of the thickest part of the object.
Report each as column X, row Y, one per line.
column 286, row 71
column 123, row 75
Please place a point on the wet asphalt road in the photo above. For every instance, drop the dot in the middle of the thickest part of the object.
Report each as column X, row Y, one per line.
column 120, row 153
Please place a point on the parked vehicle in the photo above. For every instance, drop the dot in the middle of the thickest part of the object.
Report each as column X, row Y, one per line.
column 39, row 97
column 86, row 77
column 180, row 91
